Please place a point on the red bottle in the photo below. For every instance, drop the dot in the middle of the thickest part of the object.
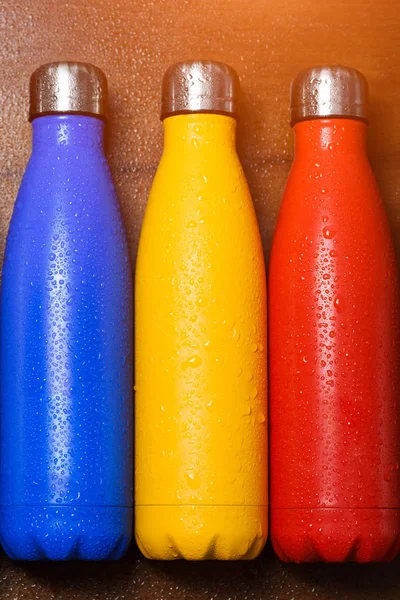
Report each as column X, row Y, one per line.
column 334, row 338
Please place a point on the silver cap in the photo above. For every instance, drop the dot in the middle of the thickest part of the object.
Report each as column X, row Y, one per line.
column 68, row 87
column 328, row 91
column 200, row 86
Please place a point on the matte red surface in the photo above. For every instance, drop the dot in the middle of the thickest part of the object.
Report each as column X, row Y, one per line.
column 334, row 355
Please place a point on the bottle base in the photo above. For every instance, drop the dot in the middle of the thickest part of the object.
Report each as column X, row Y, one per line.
column 65, row 532
column 195, row 532
column 360, row 535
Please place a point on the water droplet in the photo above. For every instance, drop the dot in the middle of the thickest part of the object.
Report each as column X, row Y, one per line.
column 235, row 334
column 193, row 481
column 339, row 304
column 328, row 233
column 193, row 362
column 253, row 392
column 261, row 417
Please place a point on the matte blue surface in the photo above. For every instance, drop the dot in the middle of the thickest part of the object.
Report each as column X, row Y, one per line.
column 66, row 352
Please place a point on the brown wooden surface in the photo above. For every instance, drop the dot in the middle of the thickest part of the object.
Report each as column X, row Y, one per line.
column 267, row 42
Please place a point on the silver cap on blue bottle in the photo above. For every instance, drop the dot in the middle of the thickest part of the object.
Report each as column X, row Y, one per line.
column 328, row 91
column 68, row 87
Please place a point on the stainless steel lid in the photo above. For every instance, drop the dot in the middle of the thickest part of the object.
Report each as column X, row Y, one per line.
column 200, row 86
column 68, row 87
column 328, row 91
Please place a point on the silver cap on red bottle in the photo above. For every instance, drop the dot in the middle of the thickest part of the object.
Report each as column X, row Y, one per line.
column 68, row 87
column 200, row 86
column 328, row 91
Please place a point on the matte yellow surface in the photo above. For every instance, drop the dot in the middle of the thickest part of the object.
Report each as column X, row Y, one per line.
column 201, row 390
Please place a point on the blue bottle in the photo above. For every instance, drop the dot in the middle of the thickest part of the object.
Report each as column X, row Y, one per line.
column 66, row 336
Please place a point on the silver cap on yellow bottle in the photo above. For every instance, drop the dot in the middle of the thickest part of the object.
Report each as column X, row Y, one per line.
column 68, row 87
column 200, row 86
column 328, row 91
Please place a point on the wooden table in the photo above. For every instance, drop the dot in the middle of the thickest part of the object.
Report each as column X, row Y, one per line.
column 267, row 42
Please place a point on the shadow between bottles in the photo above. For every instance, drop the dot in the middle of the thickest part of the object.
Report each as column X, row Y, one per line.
column 230, row 579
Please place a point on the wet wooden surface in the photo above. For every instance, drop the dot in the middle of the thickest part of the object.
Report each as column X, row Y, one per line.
column 267, row 42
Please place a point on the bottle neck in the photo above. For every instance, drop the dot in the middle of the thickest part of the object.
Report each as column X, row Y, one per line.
column 330, row 138
column 192, row 132
column 67, row 131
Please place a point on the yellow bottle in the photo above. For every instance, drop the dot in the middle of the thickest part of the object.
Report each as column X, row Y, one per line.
column 201, row 383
